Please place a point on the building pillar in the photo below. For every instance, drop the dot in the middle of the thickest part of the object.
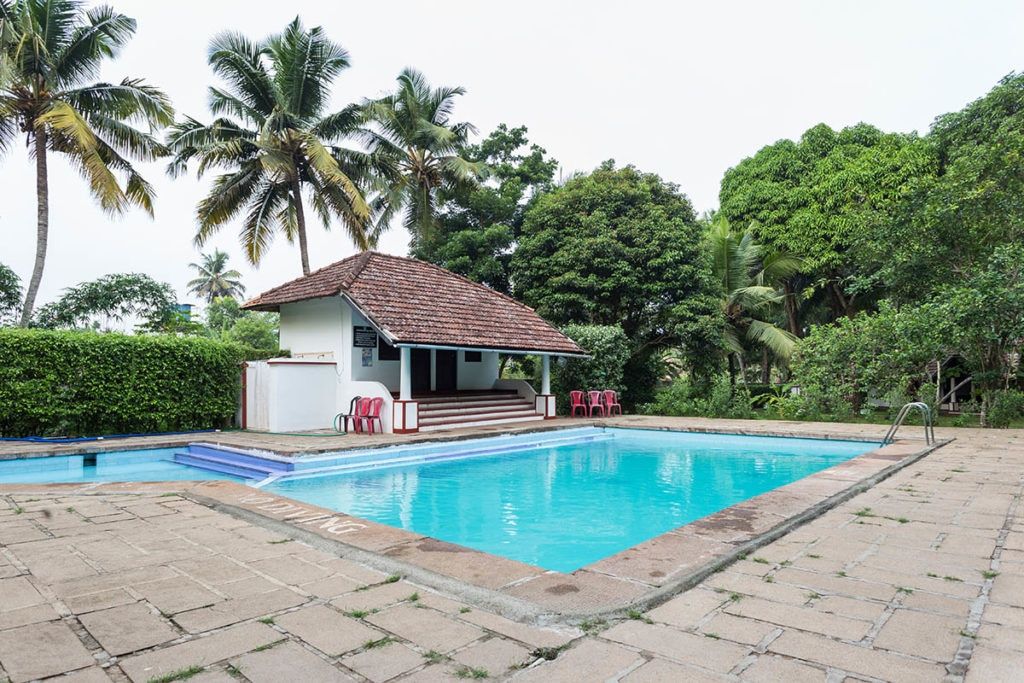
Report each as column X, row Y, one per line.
column 405, row 388
column 433, row 369
column 545, row 401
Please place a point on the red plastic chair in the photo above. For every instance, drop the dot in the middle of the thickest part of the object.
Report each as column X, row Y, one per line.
column 611, row 402
column 373, row 414
column 362, row 412
column 594, row 403
column 576, row 402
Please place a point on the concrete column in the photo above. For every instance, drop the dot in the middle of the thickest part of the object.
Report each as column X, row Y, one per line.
column 405, row 357
column 545, row 375
column 433, row 369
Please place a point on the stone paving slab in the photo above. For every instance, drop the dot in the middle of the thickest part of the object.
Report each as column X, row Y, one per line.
column 915, row 579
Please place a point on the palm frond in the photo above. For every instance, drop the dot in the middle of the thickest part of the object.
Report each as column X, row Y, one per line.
column 102, row 36
column 777, row 340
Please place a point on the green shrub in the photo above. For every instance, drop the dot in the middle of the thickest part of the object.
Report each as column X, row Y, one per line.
column 610, row 351
column 1004, row 407
column 85, row 383
column 681, row 399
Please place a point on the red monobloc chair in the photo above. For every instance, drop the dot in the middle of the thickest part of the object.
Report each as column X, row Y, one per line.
column 576, row 403
column 611, row 402
column 594, row 403
column 373, row 415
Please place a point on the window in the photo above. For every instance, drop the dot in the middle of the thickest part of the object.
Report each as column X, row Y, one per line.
column 474, row 356
column 386, row 351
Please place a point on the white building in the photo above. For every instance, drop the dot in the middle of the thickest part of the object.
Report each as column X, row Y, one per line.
column 424, row 339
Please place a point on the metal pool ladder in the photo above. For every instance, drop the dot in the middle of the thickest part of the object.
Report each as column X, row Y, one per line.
column 926, row 413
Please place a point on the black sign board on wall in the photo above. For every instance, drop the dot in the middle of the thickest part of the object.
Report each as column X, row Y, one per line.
column 364, row 337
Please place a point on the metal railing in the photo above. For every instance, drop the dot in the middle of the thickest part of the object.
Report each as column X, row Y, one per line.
column 926, row 413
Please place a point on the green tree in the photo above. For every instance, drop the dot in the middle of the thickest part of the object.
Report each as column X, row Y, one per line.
column 821, row 197
column 417, row 152
column 111, row 299
column 256, row 331
column 214, row 280
column 10, row 295
column 222, row 313
column 478, row 225
column 956, row 216
column 986, row 317
column 621, row 247
column 749, row 288
column 52, row 50
column 276, row 141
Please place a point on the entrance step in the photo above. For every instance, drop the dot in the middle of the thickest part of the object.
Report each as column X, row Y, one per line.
column 478, row 422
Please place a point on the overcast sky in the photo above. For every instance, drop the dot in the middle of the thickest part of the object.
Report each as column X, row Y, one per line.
column 682, row 89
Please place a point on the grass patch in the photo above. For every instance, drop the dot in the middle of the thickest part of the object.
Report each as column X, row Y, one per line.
column 465, row 610
column 414, row 597
column 813, row 556
column 592, row 625
column 471, row 672
column 269, row 621
column 864, row 512
column 548, row 653
column 952, row 578
column 179, row 675
column 904, row 589
column 813, row 595
column 435, row 657
column 932, row 575
column 69, row 509
column 262, row 648
column 760, row 560
column 958, row 469
column 967, row 634
column 18, row 510
column 638, row 616
column 989, row 574
column 380, row 642
column 768, row 579
column 357, row 613
column 735, row 597
column 841, row 574
column 283, row 540
column 713, row 636
column 394, row 578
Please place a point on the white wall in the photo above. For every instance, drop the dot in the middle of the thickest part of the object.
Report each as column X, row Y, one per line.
column 387, row 372
column 311, row 328
column 477, row 376
column 303, row 396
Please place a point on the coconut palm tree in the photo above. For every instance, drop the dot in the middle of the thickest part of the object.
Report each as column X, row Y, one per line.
column 50, row 53
column 416, row 152
column 275, row 140
column 749, row 280
column 214, row 280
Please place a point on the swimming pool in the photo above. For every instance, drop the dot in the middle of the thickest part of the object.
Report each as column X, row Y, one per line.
column 154, row 464
column 565, row 505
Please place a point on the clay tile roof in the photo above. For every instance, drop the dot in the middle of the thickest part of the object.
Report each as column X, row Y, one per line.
column 415, row 302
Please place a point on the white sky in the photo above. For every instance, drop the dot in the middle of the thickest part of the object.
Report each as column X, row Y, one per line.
column 685, row 90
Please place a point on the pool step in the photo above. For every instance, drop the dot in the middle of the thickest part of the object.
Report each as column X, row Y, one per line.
column 228, row 461
column 479, row 421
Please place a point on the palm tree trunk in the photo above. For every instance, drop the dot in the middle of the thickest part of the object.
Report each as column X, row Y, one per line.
column 42, row 227
column 300, row 220
column 791, row 312
column 743, row 367
column 766, row 367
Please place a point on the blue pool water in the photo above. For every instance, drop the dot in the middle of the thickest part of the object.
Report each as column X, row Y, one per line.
column 154, row 464
column 564, row 506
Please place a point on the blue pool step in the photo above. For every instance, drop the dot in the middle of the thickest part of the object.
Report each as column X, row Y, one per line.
column 266, row 466
column 231, row 461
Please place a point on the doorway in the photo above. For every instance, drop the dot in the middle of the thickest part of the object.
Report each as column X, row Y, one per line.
column 420, row 371
column 447, row 370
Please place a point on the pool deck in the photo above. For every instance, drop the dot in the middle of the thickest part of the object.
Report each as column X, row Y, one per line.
column 919, row 577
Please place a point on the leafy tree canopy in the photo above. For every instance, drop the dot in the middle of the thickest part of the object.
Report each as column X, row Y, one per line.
column 619, row 247
column 111, row 298
column 214, row 279
column 819, row 196
column 478, row 224
column 10, row 295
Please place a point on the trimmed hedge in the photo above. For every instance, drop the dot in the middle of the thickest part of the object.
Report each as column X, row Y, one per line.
column 55, row 383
